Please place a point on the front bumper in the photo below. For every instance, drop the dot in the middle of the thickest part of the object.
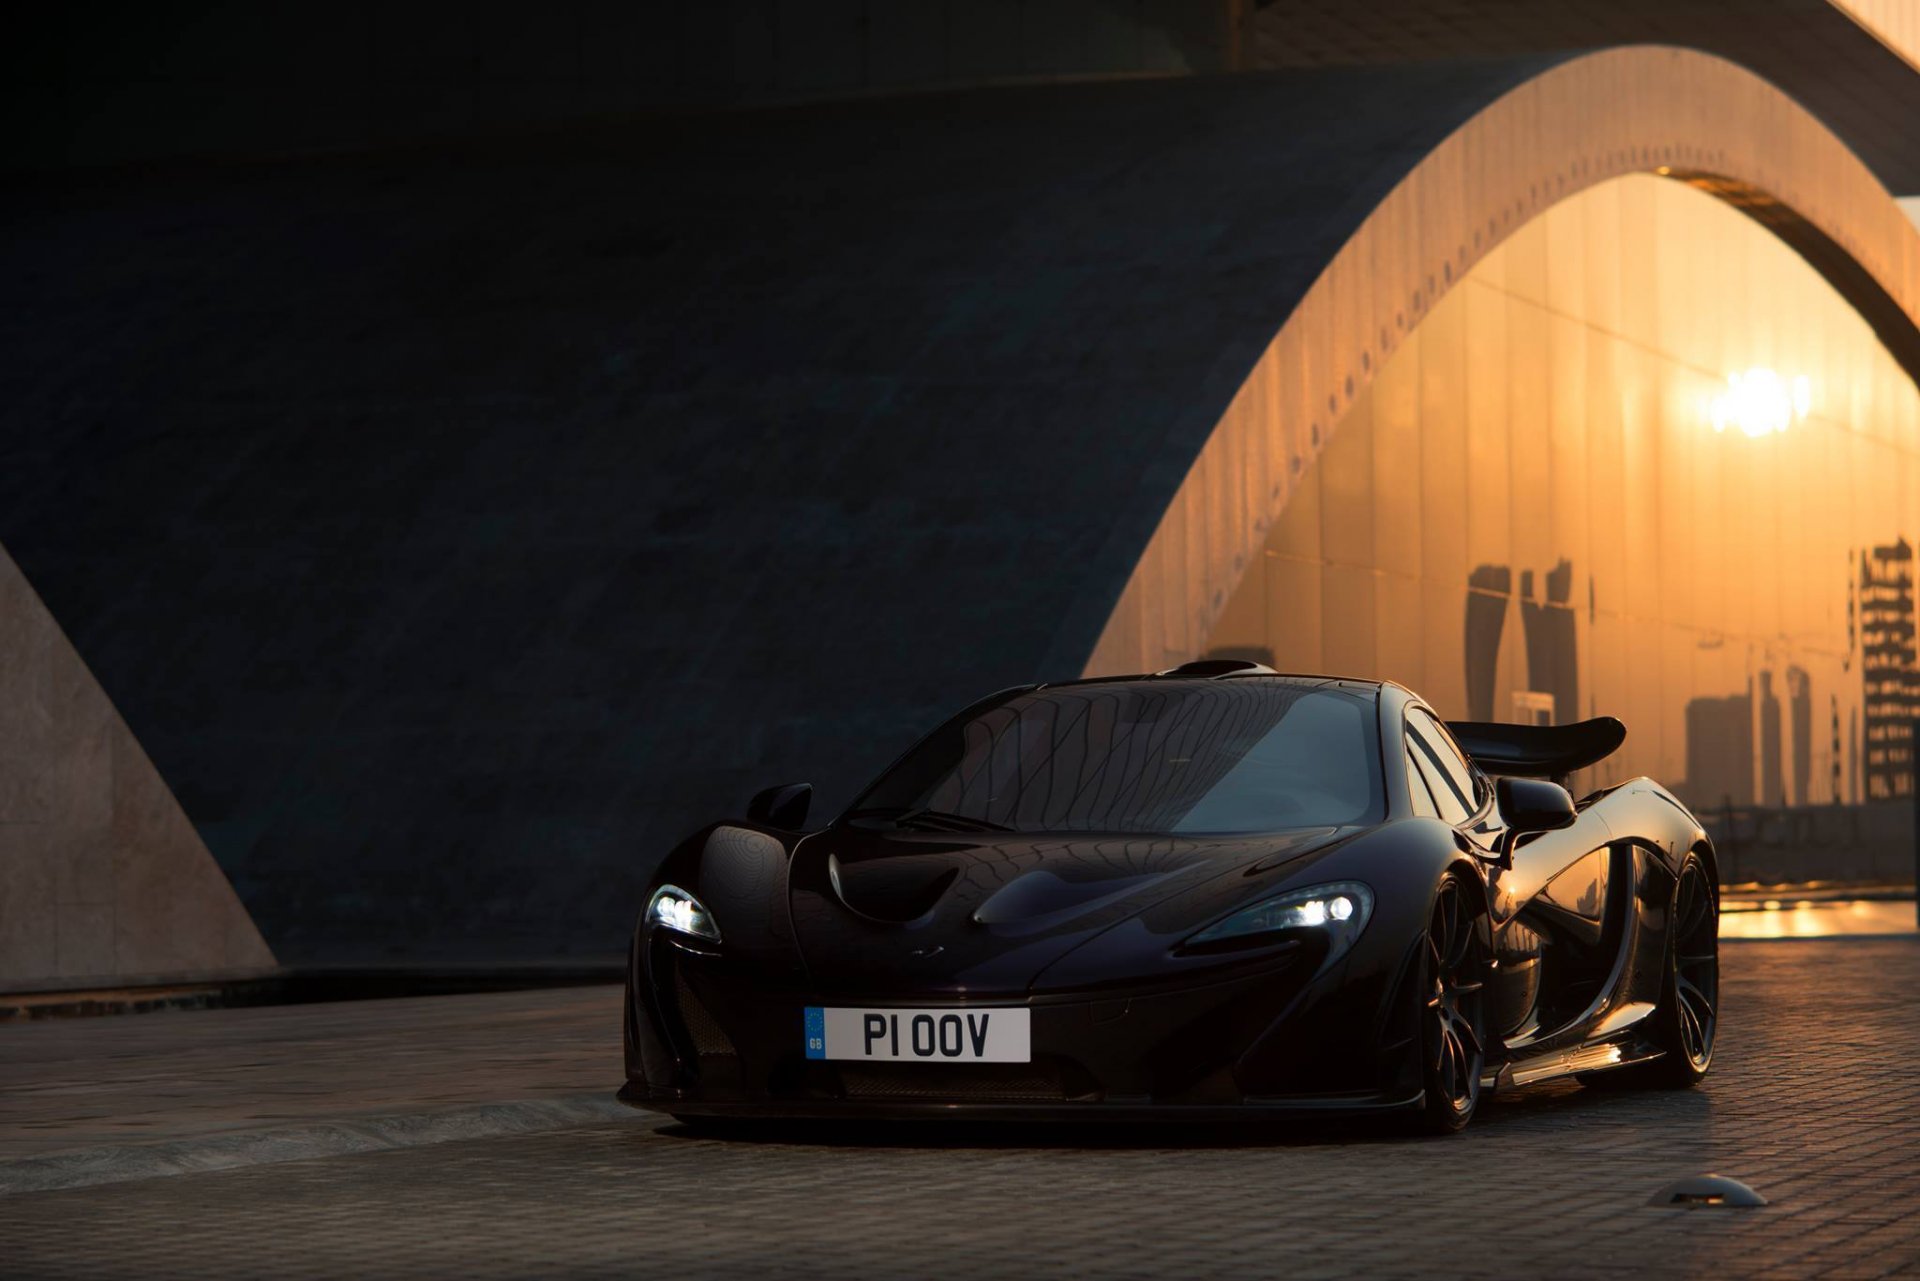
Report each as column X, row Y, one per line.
column 1274, row 1033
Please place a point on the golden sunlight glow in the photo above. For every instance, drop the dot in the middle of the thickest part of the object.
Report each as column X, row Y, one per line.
column 1618, row 556
column 1760, row 402
column 1807, row 919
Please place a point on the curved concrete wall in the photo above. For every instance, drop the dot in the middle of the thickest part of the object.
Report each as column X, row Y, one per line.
column 1849, row 62
column 1689, row 116
column 455, row 533
column 1548, row 503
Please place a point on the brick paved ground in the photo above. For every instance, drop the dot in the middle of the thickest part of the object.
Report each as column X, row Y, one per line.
column 1815, row 1101
column 88, row 1082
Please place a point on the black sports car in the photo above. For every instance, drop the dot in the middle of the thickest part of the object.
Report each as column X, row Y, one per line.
column 1209, row 893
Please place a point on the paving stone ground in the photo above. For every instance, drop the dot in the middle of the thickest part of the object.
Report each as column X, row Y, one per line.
column 84, row 1083
column 1815, row 1100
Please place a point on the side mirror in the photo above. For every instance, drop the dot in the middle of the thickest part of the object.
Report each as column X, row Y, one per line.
column 784, row 806
column 1533, row 805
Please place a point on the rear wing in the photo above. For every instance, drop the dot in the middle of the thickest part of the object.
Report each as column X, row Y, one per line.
column 1538, row 751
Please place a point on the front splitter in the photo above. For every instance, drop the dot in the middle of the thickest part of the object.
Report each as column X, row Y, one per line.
column 1277, row 1109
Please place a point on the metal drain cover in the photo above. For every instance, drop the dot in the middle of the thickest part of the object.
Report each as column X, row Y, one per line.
column 1707, row 1192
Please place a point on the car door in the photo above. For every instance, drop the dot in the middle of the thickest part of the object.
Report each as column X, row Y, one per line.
column 1464, row 797
column 1553, row 900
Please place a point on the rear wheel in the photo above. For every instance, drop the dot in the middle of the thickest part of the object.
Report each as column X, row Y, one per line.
column 1685, row 1024
column 1452, row 1015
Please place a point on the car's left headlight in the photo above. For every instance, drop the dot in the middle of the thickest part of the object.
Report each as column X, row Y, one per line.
column 1338, row 910
column 677, row 910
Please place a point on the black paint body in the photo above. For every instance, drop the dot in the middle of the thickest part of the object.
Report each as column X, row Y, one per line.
column 1125, row 1022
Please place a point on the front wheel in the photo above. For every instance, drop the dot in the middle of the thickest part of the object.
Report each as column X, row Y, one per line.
column 1452, row 1015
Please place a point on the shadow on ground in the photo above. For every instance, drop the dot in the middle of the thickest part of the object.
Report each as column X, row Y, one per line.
column 1561, row 1101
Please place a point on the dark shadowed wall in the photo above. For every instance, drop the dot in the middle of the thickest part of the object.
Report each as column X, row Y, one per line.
column 456, row 531
column 107, row 81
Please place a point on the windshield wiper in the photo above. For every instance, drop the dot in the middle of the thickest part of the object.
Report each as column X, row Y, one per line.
column 931, row 820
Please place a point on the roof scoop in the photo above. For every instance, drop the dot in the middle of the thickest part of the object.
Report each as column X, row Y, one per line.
column 1220, row 667
column 1538, row 751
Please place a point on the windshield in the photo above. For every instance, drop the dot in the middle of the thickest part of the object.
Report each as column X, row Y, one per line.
column 1250, row 754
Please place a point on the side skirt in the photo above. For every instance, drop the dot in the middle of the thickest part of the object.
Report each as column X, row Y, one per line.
column 1584, row 1058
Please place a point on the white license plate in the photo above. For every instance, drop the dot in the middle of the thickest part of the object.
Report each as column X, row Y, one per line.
column 928, row 1036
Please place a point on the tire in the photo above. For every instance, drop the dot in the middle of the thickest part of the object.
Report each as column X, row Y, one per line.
column 1451, row 1009
column 1685, row 1025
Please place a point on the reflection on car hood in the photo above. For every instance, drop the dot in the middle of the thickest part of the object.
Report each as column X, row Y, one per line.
column 891, row 913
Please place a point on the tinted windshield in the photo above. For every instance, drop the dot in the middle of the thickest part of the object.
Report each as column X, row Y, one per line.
column 1249, row 754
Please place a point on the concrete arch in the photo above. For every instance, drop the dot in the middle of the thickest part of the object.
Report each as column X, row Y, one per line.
column 1685, row 115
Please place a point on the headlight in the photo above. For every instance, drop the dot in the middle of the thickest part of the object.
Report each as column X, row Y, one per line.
column 680, row 911
column 1339, row 910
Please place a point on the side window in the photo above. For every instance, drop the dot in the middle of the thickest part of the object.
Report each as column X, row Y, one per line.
column 1479, row 790
column 1455, row 789
column 1446, row 796
column 1417, row 788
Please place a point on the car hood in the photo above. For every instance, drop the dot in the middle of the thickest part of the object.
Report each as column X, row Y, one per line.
column 895, row 913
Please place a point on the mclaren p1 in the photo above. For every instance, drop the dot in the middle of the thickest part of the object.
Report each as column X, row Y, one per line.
column 1215, row 892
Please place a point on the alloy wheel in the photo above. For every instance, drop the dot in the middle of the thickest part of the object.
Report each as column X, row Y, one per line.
column 1454, row 1027
column 1696, row 964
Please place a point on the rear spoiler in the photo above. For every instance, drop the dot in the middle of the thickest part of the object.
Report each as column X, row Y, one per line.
column 1538, row 751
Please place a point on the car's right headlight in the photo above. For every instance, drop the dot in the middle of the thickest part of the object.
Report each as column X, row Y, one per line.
column 1339, row 911
column 673, row 908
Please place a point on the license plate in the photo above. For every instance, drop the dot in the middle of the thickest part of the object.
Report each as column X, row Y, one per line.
column 931, row 1036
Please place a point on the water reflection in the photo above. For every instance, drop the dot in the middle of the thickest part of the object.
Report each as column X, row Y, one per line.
column 1806, row 918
